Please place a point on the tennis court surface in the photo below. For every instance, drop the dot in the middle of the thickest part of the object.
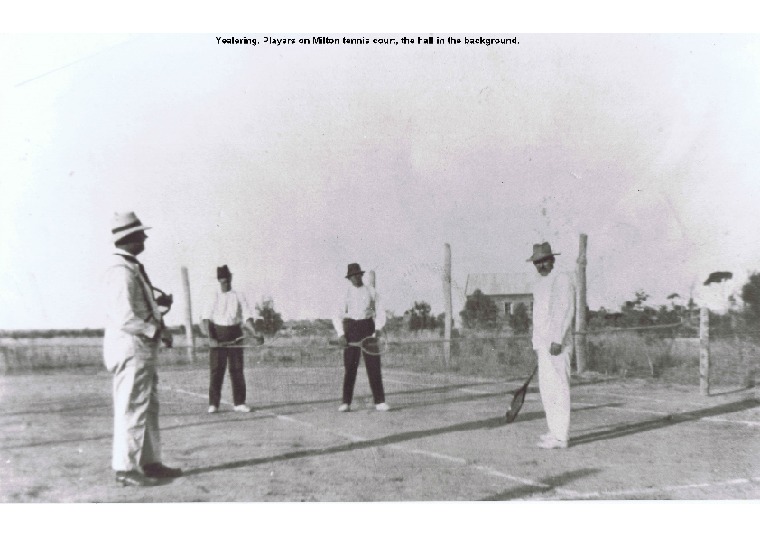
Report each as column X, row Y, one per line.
column 444, row 439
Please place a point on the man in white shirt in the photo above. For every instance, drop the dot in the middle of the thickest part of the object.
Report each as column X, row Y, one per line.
column 553, row 310
column 134, row 327
column 223, row 322
column 360, row 316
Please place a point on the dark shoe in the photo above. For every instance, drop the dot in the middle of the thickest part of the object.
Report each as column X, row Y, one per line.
column 134, row 479
column 160, row 471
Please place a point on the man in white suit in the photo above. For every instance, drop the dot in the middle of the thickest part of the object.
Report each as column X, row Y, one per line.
column 134, row 328
column 553, row 310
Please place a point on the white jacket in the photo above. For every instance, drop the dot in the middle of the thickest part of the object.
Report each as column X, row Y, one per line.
column 131, row 312
column 553, row 310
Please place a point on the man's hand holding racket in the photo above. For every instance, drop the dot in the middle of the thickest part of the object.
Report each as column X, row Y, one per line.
column 374, row 344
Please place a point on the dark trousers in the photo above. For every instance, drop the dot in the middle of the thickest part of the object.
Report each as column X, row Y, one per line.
column 219, row 358
column 355, row 331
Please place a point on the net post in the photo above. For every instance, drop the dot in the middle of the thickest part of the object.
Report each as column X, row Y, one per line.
column 581, row 320
column 371, row 278
column 704, row 351
column 188, row 316
column 447, row 305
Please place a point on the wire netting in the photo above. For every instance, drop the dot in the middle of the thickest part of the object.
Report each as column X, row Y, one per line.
column 656, row 352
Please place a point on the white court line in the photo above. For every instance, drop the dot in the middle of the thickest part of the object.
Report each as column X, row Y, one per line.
column 613, row 394
column 559, row 493
column 661, row 413
column 417, row 383
column 426, row 453
column 645, row 491
column 619, row 409
column 643, row 397
column 725, row 420
column 394, row 381
column 470, row 390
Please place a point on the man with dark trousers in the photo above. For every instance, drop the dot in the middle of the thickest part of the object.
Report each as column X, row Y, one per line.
column 360, row 316
column 223, row 322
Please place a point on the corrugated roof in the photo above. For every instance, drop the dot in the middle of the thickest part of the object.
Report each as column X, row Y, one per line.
column 500, row 283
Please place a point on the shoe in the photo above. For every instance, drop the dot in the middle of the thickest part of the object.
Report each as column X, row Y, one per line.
column 546, row 437
column 552, row 443
column 382, row 407
column 242, row 408
column 134, row 479
column 344, row 408
column 158, row 470
column 213, row 409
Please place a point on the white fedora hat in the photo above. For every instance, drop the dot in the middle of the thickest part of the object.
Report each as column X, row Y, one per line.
column 124, row 224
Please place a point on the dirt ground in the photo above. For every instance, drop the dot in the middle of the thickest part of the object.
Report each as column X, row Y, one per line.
column 444, row 440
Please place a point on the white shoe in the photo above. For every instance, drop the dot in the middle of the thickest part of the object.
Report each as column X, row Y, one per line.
column 212, row 409
column 552, row 443
column 242, row 408
column 344, row 408
column 382, row 407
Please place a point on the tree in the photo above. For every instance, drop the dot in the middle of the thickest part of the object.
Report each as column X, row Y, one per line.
column 270, row 321
column 718, row 277
column 419, row 317
column 751, row 296
column 635, row 313
column 479, row 311
column 393, row 322
column 519, row 321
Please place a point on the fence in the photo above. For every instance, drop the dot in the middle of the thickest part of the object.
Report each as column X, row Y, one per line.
column 648, row 352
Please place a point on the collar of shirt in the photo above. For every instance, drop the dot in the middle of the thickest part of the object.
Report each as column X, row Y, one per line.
column 133, row 259
column 126, row 255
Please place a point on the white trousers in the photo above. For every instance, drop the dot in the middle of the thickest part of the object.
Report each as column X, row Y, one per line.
column 554, row 385
column 136, row 438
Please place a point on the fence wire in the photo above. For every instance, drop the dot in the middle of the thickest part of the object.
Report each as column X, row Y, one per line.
column 643, row 352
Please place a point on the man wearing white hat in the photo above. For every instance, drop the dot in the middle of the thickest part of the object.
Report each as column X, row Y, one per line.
column 360, row 316
column 553, row 310
column 134, row 327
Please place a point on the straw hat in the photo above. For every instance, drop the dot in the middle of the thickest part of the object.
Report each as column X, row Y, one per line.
column 123, row 224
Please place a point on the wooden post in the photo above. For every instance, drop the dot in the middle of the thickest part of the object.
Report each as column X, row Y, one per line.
column 188, row 316
column 447, row 305
column 580, row 308
column 704, row 351
column 371, row 278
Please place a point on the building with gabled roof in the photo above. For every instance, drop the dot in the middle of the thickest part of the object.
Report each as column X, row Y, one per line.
column 505, row 289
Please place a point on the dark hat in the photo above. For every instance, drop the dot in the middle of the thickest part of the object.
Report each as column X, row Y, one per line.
column 354, row 268
column 541, row 252
column 223, row 272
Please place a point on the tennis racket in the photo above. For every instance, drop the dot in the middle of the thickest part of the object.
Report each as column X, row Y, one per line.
column 518, row 398
column 372, row 345
column 239, row 342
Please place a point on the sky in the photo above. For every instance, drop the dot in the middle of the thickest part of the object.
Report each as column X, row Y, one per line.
column 287, row 162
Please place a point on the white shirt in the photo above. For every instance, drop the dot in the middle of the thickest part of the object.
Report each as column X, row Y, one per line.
column 553, row 310
column 360, row 303
column 228, row 309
